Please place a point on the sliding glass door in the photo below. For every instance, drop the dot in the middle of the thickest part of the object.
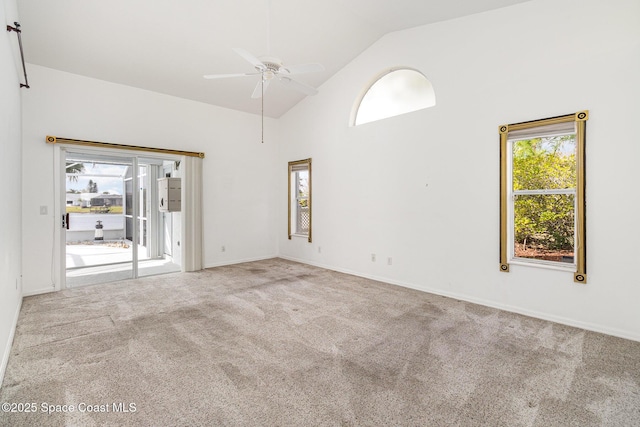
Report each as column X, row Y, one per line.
column 113, row 229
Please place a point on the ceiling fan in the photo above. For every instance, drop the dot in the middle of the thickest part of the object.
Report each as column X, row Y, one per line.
column 271, row 68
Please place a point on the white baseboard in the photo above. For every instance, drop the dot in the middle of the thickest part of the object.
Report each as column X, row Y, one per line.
column 620, row 333
column 239, row 261
column 9, row 343
column 39, row 292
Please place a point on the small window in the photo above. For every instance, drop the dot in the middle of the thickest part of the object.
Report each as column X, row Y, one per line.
column 300, row 198
column 395, row 92
column 542, row 194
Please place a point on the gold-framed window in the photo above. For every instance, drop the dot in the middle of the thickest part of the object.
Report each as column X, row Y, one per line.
column 300, row 199
column 542, row 194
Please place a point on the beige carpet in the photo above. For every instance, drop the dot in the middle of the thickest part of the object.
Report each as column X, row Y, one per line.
column 276, row 343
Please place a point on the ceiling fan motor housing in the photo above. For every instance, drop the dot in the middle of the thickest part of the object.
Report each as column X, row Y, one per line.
column 272, row 64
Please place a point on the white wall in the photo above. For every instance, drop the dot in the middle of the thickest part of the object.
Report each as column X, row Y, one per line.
column 239, row 171
column 423, row 188
column 10, row 175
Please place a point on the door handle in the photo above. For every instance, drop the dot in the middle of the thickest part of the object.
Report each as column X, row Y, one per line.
column 65, row 221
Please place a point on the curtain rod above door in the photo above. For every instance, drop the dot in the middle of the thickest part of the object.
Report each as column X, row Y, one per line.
column 58, row 140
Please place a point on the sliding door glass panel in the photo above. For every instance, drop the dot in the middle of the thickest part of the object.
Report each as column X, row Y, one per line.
column 143, row 182
column 97, row 247
column 156, row 229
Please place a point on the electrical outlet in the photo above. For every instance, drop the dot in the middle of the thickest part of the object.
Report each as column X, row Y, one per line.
column 223, row 249
column 43, row 210
column 389, row 261
column 319, row 249
column 373, row 257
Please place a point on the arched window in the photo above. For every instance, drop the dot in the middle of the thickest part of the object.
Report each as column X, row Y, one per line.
column 394, row 92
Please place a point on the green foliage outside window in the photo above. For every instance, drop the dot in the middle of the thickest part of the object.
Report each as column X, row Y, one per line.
column 303, row 188
column 544, row 221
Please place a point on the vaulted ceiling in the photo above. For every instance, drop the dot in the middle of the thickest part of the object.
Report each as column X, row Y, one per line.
column 167, row 46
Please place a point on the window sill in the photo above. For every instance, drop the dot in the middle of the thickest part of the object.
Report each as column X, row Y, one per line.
column 549, row 265
column 304, row 236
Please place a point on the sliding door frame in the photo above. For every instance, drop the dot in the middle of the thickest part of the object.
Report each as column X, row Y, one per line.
column 60, row 150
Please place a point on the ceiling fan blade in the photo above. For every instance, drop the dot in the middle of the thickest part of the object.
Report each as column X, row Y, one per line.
column 257, row 92
column 251, row 58
column 294, row 84
column 224, row 76
column 303, row 68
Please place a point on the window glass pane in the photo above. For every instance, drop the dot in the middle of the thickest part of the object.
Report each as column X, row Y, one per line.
column 94, row 187
column 302, row 202
column 128, row 188
column 545, row 163
column 302, row 224
column 398, row 92
column 544, row 227
column 302, row 178
column 144, row 184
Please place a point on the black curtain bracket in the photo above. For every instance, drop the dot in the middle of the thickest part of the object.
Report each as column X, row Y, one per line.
column 18, row 31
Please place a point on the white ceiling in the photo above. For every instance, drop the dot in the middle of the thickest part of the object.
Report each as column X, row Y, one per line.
column 167, row 46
